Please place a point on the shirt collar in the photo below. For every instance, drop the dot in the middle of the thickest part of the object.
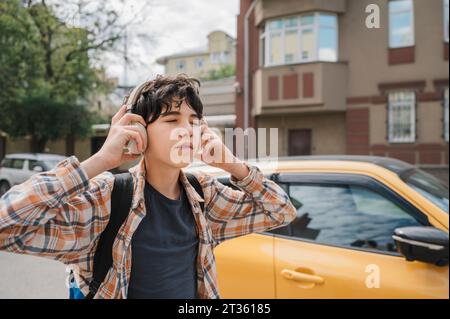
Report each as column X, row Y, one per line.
column 138, row 171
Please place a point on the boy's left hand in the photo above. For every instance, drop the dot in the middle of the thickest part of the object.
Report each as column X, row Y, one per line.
column 216, row 154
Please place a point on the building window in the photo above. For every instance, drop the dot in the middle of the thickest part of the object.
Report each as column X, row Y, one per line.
column 215, row 58
column 220, row 57
column 262, row 51
column 446, row 114
column 305, row 38
column 181, row 66
column 446, row 26
column 401, row 23
column 402, row 117
column 225, row 57
column 199, row 63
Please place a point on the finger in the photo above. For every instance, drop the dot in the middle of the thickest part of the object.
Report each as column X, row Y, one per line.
column 204, row 128
column 119, row 114
column 130, row 117
column 139, row 131
column 207, row 137
column 130, row 157
column 133, row 135
column 207, row 142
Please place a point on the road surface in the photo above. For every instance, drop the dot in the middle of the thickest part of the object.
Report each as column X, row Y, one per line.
column 31, row 277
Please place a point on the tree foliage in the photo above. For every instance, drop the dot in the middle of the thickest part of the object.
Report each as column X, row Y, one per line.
column 46, row 69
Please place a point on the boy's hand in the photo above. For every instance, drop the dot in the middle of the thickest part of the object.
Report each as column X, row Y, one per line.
column 216, row 154
column 120, row 133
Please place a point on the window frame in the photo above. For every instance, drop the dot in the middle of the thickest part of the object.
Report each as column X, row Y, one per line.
column 412, row 22
column 316, row 27
column 399, row 103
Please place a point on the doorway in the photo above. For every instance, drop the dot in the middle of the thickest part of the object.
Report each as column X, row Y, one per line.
column 299, row 142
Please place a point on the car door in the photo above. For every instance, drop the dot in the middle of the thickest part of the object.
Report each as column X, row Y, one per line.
column 245, row 265
column 341, row 246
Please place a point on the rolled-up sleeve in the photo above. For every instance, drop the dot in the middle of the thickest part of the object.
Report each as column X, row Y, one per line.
column 55, row 214
column 259, row 205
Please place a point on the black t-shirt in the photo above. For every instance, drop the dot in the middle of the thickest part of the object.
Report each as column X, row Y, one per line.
column 164, row 249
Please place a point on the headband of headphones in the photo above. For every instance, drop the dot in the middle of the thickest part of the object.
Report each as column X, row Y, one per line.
column 131, row 99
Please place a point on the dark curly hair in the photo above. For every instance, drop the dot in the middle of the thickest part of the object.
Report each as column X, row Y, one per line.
column 158, row 95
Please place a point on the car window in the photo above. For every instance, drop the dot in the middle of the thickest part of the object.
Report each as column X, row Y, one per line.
column 6, row 162
column 31, row 164
column 429, row 186
column 346, row 215
column 18, row 163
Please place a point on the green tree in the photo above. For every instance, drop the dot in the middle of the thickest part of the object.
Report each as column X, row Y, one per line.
column 47, row 73
column 224, row 71
column 21, row 67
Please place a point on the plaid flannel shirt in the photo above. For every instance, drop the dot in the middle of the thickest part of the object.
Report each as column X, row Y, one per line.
column 60, row 214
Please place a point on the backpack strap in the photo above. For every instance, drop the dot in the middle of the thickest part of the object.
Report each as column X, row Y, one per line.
column 121, row 198
column 198, row 188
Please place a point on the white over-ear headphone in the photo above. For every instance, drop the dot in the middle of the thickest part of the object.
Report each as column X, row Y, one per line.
column 129, row 101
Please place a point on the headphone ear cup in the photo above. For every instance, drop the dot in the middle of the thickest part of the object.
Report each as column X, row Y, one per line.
column 132, row 145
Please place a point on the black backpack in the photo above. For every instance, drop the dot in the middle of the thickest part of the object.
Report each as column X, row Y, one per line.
column 120, row 206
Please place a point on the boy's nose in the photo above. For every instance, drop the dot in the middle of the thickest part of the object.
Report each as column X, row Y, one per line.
column 188, row 128
column 184, row 132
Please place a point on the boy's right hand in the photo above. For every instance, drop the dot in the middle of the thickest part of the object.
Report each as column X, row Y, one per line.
column 120, row 133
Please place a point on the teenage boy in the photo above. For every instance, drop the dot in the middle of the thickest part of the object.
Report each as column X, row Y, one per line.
column 164, row 249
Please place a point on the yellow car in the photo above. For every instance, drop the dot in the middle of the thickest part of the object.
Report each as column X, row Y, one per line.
column 366, row 227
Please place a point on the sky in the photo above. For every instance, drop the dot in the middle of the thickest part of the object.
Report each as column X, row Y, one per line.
column 172, row 26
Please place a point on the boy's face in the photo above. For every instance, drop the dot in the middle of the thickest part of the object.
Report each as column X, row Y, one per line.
column 170, row 137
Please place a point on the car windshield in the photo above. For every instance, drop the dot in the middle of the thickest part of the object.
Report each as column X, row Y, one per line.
column 428, row 186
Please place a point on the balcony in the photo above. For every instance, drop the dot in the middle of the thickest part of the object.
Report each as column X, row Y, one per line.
column 268, row 9
column 300, row 88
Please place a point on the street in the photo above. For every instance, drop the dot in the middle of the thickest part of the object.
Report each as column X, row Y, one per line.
column 31, row 277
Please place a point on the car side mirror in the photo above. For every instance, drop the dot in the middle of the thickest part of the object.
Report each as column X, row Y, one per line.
column 38, row 169
column 426, row 244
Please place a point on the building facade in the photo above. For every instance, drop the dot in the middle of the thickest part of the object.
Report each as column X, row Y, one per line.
column 335, row 82
column 199, row 62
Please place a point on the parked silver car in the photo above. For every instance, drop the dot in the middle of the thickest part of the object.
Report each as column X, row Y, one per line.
column 17, row 168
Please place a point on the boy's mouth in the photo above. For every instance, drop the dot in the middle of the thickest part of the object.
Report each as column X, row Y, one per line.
column 186, row 146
